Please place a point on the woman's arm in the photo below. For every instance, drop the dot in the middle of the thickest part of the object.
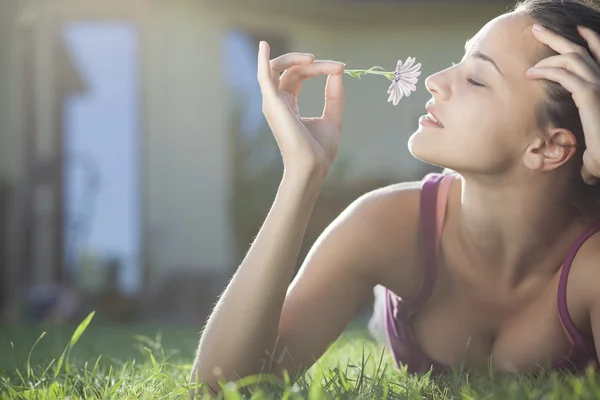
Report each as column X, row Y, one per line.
column 258, row 327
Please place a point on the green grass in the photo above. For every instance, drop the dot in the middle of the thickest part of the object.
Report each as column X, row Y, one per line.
column 138, row 362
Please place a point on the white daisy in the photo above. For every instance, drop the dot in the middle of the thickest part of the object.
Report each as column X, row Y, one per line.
column 405, row 79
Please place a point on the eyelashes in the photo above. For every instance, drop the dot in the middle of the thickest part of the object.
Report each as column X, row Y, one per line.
column 470, row 80
column 476, row 84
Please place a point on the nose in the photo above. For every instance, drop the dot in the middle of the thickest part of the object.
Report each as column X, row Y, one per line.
column 439, row 85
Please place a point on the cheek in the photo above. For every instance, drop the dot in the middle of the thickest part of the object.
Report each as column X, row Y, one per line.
column 485, row 132
column 473, row 115
column 494, row 117
column 469, row 104
column 482, row 133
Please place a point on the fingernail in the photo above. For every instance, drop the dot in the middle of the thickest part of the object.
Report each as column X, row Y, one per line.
column 538, row 27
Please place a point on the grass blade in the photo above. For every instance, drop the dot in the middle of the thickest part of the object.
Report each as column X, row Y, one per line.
column 29, row 371
column 81, row 328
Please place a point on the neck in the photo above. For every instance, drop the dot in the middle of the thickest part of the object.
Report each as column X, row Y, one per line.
column 515, row 226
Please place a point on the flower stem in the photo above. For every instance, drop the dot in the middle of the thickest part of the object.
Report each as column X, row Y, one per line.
column 358, row 72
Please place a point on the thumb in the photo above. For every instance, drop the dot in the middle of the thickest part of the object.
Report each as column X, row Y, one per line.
column 334, row 99
column 588, row 177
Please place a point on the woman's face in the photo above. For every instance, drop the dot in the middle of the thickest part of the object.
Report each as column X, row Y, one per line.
column 485, row 103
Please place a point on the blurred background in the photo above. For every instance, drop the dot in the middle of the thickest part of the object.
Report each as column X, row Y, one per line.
column 136, row 166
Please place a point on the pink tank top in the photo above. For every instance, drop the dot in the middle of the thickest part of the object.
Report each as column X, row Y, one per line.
column 405, row 350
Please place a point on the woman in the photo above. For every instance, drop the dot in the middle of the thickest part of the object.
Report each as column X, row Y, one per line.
column 481, row 257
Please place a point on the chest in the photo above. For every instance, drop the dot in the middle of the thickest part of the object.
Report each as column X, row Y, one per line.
column 515, row 333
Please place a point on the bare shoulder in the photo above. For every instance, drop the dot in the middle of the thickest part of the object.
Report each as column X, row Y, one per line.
column 386, row 202
column 385, row 221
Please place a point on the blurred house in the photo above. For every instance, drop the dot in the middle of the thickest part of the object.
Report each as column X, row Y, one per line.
column 185, row 115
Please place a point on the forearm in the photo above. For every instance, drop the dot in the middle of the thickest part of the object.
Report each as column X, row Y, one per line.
column 242, row 330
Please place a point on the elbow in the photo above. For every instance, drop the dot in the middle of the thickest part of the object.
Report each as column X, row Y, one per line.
column 208, row 377
column 201, row 385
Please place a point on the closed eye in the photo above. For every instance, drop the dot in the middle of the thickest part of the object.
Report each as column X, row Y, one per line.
column 471, row 81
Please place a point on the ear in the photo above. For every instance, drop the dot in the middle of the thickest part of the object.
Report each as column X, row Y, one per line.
column 550, row 152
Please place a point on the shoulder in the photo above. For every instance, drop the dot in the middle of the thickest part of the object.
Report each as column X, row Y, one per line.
column 385, row 201
column 383, row 211
column 380, row 230
column 390, row 204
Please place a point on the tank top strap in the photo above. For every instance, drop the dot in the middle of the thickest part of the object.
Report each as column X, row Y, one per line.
column 433, row 199
column 574, row 335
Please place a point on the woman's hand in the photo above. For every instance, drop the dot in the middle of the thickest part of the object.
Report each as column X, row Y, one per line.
column 579, row 72
column 307, row 145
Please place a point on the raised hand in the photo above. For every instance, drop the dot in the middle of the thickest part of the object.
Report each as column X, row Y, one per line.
column 577, row 71
column 307, row 145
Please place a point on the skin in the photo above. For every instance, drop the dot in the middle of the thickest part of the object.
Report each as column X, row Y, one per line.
column 506, row 233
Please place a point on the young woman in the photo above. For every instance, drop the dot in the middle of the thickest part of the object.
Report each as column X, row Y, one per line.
column 499, row 260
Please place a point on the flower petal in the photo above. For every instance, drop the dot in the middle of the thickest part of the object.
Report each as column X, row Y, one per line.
column 395, row 94
column 408, row 63
column 405, row 88
column 405, row 79
column 414, row 68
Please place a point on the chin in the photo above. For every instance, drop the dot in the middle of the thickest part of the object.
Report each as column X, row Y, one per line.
column 427, row 150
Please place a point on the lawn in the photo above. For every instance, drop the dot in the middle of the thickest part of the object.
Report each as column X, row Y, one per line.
column 149, row 362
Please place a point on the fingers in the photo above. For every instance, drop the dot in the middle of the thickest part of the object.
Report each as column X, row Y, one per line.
column 296, row 68
column 557, row 42
column 267, row 85
column 588, row 176
column 287, row 61
column 292, row 79
column 567, row 79
column 577, row 70
column 268, row 70
column 593, row 40
column 334, row 100
column 575, row 63
column 573, row 57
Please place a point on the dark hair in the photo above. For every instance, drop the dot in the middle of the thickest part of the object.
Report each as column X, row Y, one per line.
column 559, row 109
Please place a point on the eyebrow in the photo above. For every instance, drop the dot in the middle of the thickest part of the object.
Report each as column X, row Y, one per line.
column 479, row 55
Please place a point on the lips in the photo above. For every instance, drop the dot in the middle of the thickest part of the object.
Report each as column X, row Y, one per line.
column 433, row 116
